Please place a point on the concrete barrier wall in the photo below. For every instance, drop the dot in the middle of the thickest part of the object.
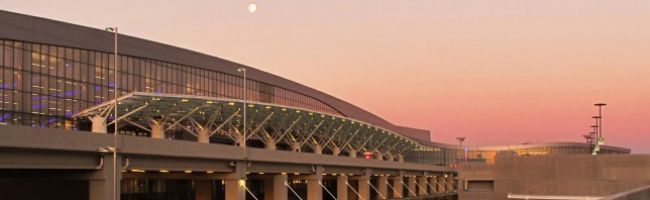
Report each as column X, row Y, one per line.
column 575, row 175
column 565, row 175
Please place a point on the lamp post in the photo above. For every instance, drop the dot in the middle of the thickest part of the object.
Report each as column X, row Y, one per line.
column 600, row 117
column 243, row 71
column 594, row 131
column 116, row 132
column 596, row 138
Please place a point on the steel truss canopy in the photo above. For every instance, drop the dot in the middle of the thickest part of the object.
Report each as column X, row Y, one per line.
column 271, row 124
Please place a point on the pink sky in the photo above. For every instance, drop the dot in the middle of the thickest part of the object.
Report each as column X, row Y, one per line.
column 497, row 72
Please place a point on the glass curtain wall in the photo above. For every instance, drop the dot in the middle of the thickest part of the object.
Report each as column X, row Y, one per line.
column 40, row 85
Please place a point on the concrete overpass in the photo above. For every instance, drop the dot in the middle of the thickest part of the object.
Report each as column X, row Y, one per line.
column 312, row 157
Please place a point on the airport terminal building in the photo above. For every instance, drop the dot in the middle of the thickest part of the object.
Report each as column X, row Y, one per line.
column 183, row 118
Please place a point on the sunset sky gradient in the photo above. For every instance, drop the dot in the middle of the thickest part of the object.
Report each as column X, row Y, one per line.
column 496, row 72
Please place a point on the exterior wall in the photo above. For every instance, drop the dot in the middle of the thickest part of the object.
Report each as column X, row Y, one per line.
column 18, row 27
column 570, row 175
column 475, row 172
column 489, row 154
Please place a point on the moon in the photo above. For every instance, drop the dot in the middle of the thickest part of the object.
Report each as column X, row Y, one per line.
column 252, row 7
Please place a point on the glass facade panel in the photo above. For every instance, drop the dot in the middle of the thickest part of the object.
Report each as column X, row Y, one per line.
column 43, row 84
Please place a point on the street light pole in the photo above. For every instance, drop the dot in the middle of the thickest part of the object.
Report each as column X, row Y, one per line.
column 243, row 71
column 600, row 117
column 115, row 93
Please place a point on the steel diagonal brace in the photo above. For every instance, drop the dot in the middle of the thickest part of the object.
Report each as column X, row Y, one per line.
column 107, row 112
column 364, row 143
column 376, row 190
column 128, row 114
column 431, row 187
column 183, row 118
column 190, row 131
column 407, row 147
column 324, row 132
column 392, row 147
column 421, row 187
column 196, row 124
column 393, row 188
column 311, row 133
column 408, row 188
column 333, row 135
column 267, row 136
column 224, row 123
column 260, row 126
column 137, row 125
column 213, row 117
column 289, row 128
column 347, row 143
column 378, row 145
column 340, row 138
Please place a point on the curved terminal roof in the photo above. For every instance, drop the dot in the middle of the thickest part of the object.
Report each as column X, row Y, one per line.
column 41, row 30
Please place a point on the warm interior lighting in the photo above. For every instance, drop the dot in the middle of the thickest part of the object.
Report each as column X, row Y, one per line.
column 163, row 171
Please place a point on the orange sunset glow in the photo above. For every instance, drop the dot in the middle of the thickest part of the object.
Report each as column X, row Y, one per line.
column 496, row 72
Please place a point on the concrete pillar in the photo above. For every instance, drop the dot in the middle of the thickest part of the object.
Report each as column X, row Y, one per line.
column 450, row 183
column 157, row 130
column 100, row 185
column 422, row 186
column 98, row 124
column 411, row 186
column 382, row 186
column 390, row 157
column 400, row 158
column 341, row 187
column 352, row 153
column 240, row 141
column 432, row 185
column 379, row 155
column 235, row 189
column 270, row 143
column 203, row 135
column 363, row 187
column 441, row 185
column 318, row 149
column 203, row 190
column 398, row 192
column 235, row 182
column 274, row 188
column 314, row 190
column 336, row 151
column 295, row 147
